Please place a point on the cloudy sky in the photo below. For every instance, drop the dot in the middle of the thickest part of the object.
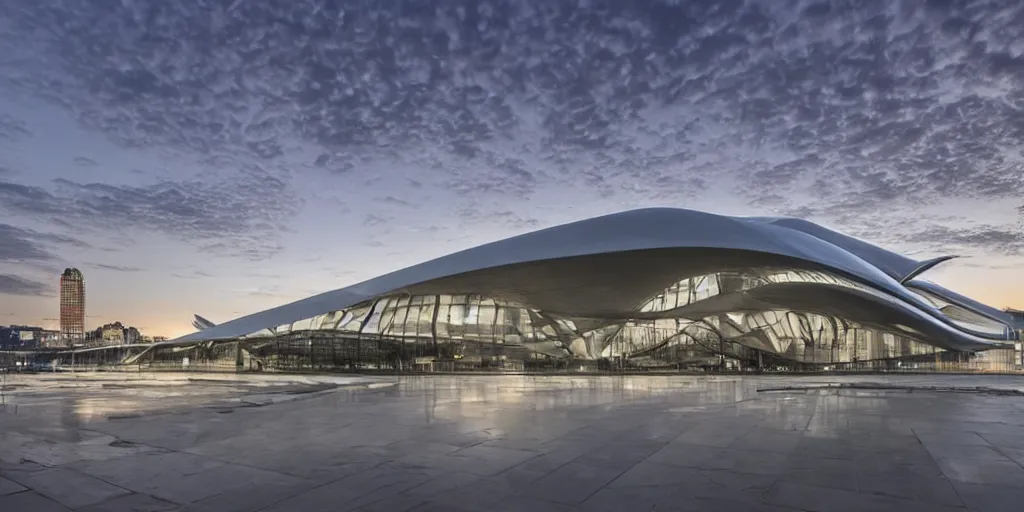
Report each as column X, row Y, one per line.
column 225, row 156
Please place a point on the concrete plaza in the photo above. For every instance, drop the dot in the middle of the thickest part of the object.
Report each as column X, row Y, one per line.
column 503, row 443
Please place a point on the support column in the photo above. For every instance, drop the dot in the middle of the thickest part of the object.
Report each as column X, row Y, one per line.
column 727, row 283
column 239, row 360
column 433, row 325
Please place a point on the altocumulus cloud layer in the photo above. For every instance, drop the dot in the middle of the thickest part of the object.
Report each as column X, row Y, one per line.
column 892, row 120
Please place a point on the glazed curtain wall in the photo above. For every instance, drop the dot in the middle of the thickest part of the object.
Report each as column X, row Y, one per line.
column 455, row 326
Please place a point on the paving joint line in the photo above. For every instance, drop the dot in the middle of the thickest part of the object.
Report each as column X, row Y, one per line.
column 943, row 473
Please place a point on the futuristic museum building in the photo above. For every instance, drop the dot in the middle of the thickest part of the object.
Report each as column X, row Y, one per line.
column 649, row 288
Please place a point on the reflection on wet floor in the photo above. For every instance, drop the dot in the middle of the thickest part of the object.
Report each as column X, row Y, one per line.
column 98, row 396
column 464, row 443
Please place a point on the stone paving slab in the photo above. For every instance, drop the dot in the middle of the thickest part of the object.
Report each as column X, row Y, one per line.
column 132, row 502
column 10, row 487
column 458, row 443
column 70, row 488
column 30, row 502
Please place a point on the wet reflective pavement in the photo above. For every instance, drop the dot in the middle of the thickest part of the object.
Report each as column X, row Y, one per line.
column 502, row 443
column 89, row 396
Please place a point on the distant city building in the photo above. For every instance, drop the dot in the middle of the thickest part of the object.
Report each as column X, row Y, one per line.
column 18, row 337
column 26, row 337
column 48, row 338
column 72, row 306
column 114, row 334
column 132, row 335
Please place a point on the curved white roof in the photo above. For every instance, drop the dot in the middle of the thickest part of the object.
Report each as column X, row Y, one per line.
column 635, row 230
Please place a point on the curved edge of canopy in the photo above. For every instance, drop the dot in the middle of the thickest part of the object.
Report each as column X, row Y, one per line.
column 926, row 266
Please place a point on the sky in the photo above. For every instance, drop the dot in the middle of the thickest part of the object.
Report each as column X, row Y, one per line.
column 224, row 157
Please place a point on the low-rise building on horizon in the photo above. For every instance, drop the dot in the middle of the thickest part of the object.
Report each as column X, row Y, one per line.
column 115, row 333
column 27, row 337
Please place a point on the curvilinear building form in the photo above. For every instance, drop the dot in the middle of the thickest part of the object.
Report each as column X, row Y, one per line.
column 652, row 287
